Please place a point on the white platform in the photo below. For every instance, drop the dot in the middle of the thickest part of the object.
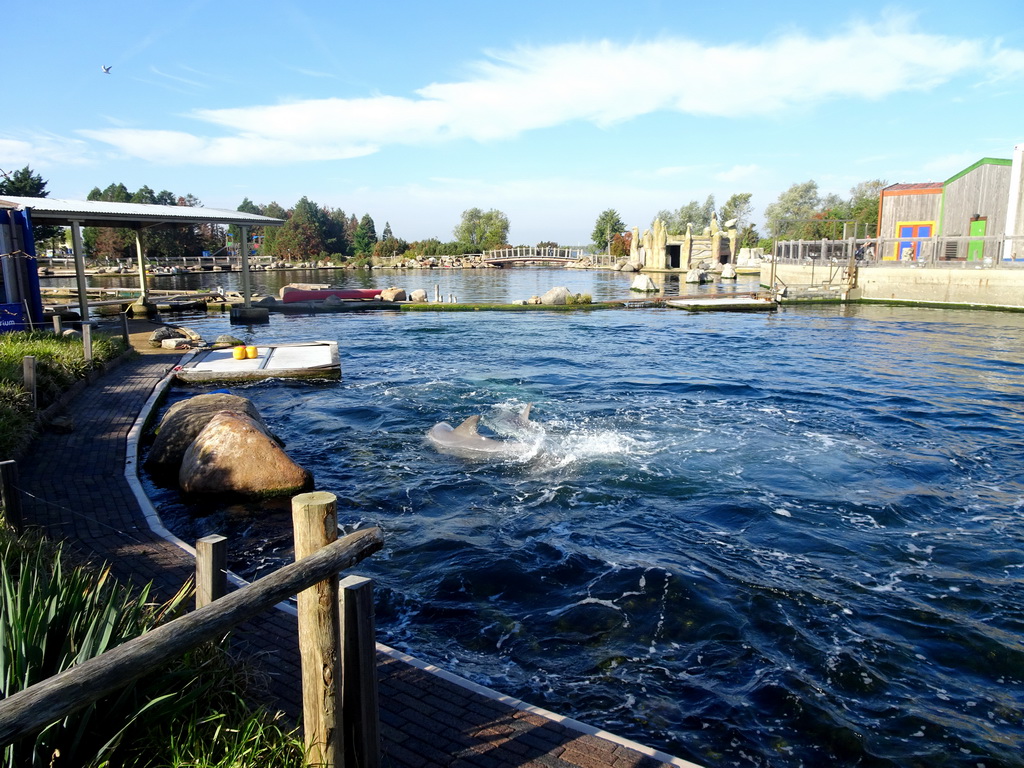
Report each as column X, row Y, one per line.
column 302, row 360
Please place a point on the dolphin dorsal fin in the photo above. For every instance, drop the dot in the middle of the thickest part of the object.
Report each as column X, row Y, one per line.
column 469, row 426
column 525, row 415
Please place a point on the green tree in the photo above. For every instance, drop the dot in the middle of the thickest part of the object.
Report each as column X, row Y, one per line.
column 608, row 224
column 864, row 199
column 621, row 243
column 739, row 207
column 333, row 223
column 365, row 236
column 24, row 183
column 390, row 247
column 302, row 236
column 697, row 215
column 246, row 206
column 791, row 215
column 268, row 244
column 107, row 242
column 482, row 230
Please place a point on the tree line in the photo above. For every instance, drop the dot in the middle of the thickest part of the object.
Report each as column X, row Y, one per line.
column 314, row 232
column 311, row 232
column 800, row 213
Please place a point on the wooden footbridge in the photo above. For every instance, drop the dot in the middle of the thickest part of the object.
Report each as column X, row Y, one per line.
column 531, row 255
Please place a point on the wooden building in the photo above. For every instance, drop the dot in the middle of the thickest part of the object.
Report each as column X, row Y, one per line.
column 967, row 211
column 909, row 210
column 974, row 204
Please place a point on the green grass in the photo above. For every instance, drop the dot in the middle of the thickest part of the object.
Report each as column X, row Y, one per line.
column 60, row 362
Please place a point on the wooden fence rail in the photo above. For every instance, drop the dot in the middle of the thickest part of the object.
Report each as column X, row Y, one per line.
column 32, row 709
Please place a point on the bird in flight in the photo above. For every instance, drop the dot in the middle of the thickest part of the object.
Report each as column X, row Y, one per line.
column 106, row 70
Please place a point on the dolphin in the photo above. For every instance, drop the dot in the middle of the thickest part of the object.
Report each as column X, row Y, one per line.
column 465, row 441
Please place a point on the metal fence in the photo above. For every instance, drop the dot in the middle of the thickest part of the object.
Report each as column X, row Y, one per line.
column 988, row 252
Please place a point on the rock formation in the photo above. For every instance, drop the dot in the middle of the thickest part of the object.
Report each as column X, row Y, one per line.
column 643, row 284
column 393, row 294
column 559, row 295
column 235, row 454
column 185, row 420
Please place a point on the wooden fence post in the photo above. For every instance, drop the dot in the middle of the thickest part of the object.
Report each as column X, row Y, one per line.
column 53, row 699
column 124, row 330
column 359, row 674
column 315, row 523
column 58, row 325
column 11, row 494
column 211, row 569
column 87, row 341
column 28, row 373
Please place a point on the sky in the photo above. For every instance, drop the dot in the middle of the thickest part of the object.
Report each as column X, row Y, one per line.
column 550, row 111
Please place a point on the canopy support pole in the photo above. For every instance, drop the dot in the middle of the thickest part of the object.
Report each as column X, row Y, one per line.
column 83, row 291
column 246, row 288
column 140, row 258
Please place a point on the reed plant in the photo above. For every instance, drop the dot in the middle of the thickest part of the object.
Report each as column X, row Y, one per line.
column 192, row 712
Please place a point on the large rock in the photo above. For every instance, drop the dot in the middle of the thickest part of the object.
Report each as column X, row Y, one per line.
column 227, row 340
column 559, row 295
column 156, row 338
column 418, row 296
column 185, row 420
column 393, row 294
column 235, row 454
column 643, row 284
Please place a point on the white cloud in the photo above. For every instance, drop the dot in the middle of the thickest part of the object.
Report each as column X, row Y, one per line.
column 603, row 83
column 42, row 151
column 739, row 173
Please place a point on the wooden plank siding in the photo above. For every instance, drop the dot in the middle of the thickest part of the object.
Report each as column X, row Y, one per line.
column 902, row 204
column 980, row 190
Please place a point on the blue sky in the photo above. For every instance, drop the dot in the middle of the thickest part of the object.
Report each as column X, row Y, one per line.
column 549, row 111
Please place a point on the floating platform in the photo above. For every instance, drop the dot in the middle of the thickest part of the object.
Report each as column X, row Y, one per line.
column 725, row 304
column 302, row 360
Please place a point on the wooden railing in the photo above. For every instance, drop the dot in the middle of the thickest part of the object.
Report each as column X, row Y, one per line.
column 340, row 718
column 991, row 251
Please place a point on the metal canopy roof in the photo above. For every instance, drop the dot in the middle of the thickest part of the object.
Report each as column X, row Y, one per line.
column 97, row 213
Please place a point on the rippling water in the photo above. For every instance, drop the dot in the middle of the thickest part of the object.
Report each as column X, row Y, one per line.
column 770, row 540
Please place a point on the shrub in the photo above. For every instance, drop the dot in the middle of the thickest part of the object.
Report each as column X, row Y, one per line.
column 17, row 419
column 60, row 362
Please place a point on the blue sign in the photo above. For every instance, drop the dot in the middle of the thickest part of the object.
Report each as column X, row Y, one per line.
column 12, row 318
column 206, row 254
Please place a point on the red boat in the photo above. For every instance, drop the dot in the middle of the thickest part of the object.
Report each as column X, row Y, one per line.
column 290, row 295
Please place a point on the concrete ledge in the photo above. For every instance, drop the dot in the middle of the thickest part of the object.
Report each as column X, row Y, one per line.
column 963, row 286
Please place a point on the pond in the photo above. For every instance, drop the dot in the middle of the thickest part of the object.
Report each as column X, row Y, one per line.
column 774, row 539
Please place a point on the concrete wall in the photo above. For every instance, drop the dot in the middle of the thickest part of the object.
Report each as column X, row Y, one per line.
column 958, row 285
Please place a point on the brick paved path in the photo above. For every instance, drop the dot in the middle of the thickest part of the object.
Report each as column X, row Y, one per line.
column 74, row 486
